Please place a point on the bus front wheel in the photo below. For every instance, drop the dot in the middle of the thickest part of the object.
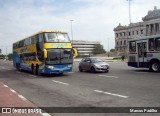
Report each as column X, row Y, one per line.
column 18, row 66
column 33, row 70
column 155, row 66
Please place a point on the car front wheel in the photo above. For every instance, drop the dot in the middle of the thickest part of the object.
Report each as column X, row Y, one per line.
column 80, row 69
column 93, row 70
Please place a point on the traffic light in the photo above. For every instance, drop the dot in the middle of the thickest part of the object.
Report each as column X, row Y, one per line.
column 0, row 51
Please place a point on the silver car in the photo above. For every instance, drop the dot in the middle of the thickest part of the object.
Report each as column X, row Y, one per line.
column 93, row 64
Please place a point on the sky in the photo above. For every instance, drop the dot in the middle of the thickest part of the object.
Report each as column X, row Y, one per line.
column 93, row 20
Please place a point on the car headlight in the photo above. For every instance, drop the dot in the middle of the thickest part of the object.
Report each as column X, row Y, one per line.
column 50, row 67
column 98, row 66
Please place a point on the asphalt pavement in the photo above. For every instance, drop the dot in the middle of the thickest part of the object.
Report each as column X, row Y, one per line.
column 123, row 86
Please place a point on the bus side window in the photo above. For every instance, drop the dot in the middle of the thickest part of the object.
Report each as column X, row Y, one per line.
column 157, row 44
column 132, row 46
column 151, row 44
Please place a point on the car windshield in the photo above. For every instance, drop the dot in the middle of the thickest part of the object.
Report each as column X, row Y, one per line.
column 56, row 37
column 95, row 60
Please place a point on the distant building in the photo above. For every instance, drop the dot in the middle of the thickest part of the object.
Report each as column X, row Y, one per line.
column 84, row 48
column 149, row 26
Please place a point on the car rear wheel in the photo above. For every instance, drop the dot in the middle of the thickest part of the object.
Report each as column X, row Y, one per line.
column 80, row 69
column 93, row 70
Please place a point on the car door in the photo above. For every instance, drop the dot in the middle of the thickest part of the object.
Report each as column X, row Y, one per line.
column 88, row 64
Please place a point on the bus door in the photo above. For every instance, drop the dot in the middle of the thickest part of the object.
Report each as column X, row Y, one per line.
column 142, row 53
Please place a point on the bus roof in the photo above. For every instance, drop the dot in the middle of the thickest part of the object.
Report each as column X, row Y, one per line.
column 43, row 31
column 144, row 37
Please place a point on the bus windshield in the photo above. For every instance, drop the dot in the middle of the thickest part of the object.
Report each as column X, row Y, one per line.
column 56, row 37
column 59, row 56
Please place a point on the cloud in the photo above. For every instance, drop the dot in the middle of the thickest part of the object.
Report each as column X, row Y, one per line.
column 94, row 20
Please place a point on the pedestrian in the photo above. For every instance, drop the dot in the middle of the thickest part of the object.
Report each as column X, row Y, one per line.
column 122, row 57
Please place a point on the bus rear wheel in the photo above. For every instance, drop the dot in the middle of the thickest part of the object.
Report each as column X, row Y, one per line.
column 155, row 66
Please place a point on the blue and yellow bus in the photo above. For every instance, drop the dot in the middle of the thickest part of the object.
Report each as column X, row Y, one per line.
column 46, row 52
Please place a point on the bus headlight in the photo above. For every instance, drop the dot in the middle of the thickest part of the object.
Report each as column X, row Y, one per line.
column 69, row 66
column 50, row 67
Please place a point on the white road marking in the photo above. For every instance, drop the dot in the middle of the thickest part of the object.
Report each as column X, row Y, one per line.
column 17, row 71
column 32, row 76
column 141, row 72
column 118, row 95
column 3, row 68
column 45, row 114
column 60, row 82
column 13, row 90
column 22, row 97
column 5, row 85
column 108, row 76
column 137, row 72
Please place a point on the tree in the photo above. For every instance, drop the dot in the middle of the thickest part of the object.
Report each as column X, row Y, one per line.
column 112, row 50
column 99, row 49
column 2, row 56
column 10, row 56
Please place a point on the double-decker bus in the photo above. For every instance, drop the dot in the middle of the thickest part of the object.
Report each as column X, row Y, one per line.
column 144, row 52
column 46, row 52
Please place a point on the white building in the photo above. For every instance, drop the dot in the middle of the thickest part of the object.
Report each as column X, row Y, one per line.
column 149, row 26
column 84, row 48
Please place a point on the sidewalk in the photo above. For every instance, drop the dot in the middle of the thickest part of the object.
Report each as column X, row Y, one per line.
column 10, row 98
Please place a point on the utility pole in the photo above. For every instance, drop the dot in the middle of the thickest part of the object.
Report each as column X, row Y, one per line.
column 129, row 11
column 108, row 47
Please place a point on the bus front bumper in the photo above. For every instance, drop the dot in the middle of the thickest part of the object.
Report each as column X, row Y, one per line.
column 55, row 70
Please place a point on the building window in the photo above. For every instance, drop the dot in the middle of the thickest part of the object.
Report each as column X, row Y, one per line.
column 129, row 33
column 141, row 31
column 116, row 34
column 157, row 27
column 152, row 28
column 117, row 43
column 132, row 32
column 124, row 33
column 121, row 34
column 137, row 32
column 124, row 42
column 121, row 42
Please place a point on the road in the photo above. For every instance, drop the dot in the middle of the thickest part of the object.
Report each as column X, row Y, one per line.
column 123, row 86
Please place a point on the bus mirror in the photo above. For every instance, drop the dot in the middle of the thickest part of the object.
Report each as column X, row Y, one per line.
column 45, row 53
column 75, row 53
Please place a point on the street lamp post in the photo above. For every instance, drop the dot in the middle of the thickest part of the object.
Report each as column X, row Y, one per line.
column 129, row 11
column 108, row 47
column 129, row 27
column 71, row 30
